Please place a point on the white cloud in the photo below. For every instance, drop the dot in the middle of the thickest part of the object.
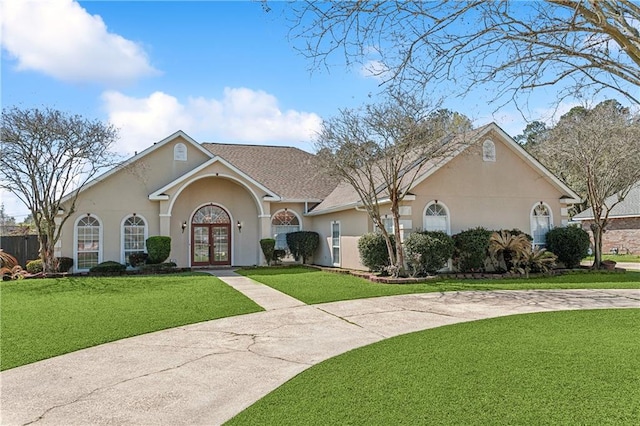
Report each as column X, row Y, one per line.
column 241, row 116
column 375, row 69
column 59, row 38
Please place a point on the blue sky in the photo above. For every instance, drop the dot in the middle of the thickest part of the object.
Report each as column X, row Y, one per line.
column 220, row 71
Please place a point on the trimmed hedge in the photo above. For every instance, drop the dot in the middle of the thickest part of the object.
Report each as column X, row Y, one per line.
column 471, row 249
column 64, row 264
column 303, row 244
column 108, row 267
column 570, row 244
column 158, row 248
column 428, row 251
column 373, row 251
column 166, row 266
column 268, row 246
column 34, row 266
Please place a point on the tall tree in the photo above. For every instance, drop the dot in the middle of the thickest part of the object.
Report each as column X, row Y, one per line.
column 5, row 219
column 598, row 152
column 532, row 135
column 45, row 154
column 379, row 150
column 516, row 46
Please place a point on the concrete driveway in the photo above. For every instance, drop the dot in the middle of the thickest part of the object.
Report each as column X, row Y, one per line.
column 206, row 373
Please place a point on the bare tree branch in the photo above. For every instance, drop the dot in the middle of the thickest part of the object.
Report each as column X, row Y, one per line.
column 46, row 154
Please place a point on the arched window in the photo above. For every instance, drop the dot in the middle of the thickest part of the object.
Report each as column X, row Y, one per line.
column 488, row 151
column 211, row 214
column 180, row 152
column 540, row 224
column 283, row 222
column 134, row 235
column 88, row 242
column 436, row 217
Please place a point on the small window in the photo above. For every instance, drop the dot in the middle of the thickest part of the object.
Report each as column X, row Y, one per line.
column 335, row 243
column 436, row 217
column 540, row 224
column 488, row 151
column 180, row 152
column 88, row 244
column 282, row 223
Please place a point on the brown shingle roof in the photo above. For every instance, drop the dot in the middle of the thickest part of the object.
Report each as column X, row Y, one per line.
column 289, row 172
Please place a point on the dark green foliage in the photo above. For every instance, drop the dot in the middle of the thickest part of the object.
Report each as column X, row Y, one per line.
column 64, row 264
column 278, row 255
column 138, row 259
column 515, row 232
column 34, row 266
column 151, row 267
column 428, row 251
column 159, row 248
column 373, row 251
column 268, row 246
column 303, row 244
column 570, row 244
column 471, row 249
column 108, row 267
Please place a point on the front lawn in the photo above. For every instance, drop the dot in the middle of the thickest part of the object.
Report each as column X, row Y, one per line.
column 314, row 286
column 634, row 258
column 573, row 367
column 48, row 317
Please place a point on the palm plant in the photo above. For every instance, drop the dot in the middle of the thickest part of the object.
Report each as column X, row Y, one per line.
column 9, row 268
column 509, row 247
column 536, row 260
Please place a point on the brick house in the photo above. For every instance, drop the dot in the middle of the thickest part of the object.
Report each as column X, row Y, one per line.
column 622, row 233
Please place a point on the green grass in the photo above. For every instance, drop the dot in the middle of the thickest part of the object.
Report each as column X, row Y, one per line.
column 634, row 258
column 313, row 286
column 48, row 317
column 574, row 367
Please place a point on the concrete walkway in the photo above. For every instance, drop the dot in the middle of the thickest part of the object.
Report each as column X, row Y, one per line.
column 205, row 373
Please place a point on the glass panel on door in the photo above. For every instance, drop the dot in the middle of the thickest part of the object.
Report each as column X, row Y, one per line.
column 220, row 244
column 201, row 244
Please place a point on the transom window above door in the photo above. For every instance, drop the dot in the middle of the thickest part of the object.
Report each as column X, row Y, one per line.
column 211, row 214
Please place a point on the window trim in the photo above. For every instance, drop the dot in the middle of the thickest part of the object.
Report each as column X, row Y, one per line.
column 75, row 241
column 333, row 260
column 492, row 147
column 446, row 209
column 534, row 243
column 123, row 255
column 288, row 211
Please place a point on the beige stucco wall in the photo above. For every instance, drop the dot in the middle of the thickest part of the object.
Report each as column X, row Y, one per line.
column 352, row 225
column 117, row 196
column 235, row 200
column 495, row 195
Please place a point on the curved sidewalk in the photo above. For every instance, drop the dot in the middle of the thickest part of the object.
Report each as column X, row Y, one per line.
column 206, row 373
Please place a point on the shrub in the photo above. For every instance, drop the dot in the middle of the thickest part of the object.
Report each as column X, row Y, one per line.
column 471, row 249
column 154, row 267
column 108, row 267
column 136, row 259
column 428, row 251
column 268, row 246
column 278, row 255
column 373, row 251
column 64, row 264
column 34, row 266
column 159, row 248
column 570, row 244
column 536, row 260
column 510, row 247
column 303, row 244
column 7, row 260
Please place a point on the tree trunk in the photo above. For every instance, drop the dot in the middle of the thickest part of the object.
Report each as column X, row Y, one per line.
column 47, row 254
column 597, row 229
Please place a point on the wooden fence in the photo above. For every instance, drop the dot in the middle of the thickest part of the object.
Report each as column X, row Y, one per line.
column 24, row 248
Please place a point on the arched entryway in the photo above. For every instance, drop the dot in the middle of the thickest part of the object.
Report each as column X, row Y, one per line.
column 211, row 236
